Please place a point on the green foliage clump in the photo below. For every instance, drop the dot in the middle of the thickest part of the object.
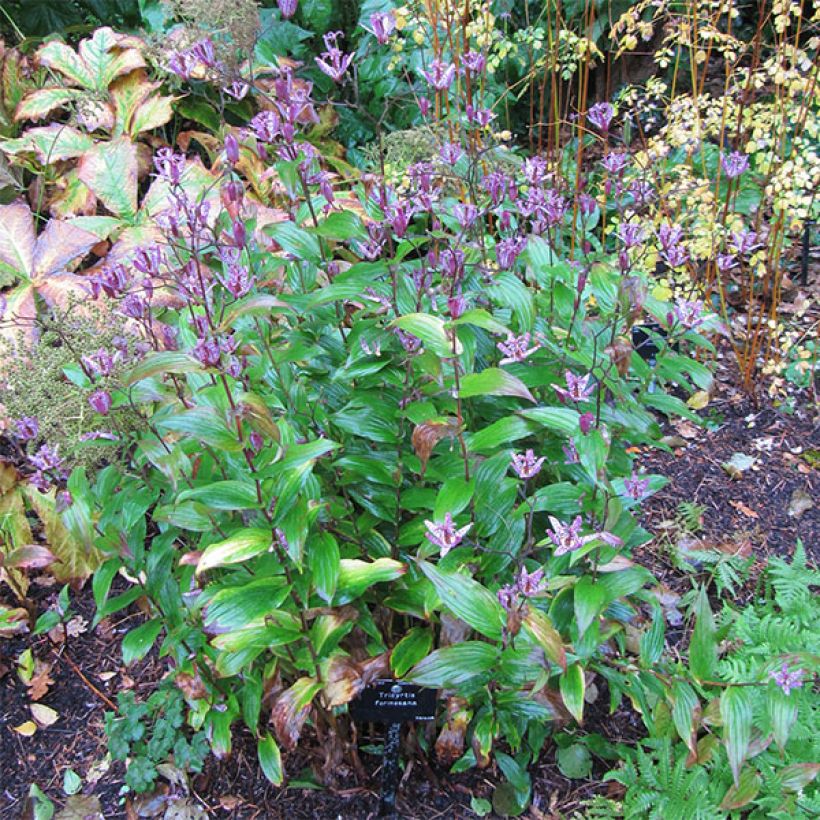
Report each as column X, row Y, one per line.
column 766, row 765
column 147, row 734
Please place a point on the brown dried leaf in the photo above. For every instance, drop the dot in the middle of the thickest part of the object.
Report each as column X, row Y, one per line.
column 39, row 684
column 747, row 511
column 450, row 742
column 427, row 434
column 620, row 351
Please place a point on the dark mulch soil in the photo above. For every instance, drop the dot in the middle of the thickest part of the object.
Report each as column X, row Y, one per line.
column 750, row 514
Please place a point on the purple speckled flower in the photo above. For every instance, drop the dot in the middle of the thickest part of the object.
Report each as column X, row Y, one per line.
column 669, row 235
column 615, row 162
column 734, row 164
column 570, row 452
column 440, row 75
column 635, row 486
column 231, row 149
column 382, row 25
column 586, row 422
column 530, row 583
column 517, row 348
column 451, row 152
column 631, row 234
column 333, row 61
column 526, row 465
column 100, row 401
column 207, row 351
column 456, row 305
column 578, row 387
column 238, row 89
column 600, row 115
column 474, row 61
column 507, row 597
column 508, row 250
column 745, row 241
column 444, row 534
column 266, row 126
column 203, row 51
column 169, row 165
column 287, row 8
column 568, row 538
column 787, row 680
column 466, row 213
column 26, row 428
column 689, row 314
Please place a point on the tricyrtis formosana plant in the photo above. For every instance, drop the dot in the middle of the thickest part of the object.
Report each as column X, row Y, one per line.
column 388, row 438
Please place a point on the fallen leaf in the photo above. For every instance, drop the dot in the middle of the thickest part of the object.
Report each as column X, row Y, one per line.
column 229, row 802
column 44, row 715
column 81, row 807
column 747, row 511
column 687, row 429
column 800, row 502
column 698, row 400
column 39, row 684
column 76, row 626
column 106, row 676
column 26, row 729
column 738, row 464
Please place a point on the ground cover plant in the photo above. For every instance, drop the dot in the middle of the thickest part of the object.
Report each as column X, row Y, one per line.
column 330, row 415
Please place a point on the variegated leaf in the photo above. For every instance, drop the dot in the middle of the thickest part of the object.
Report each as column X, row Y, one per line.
column 17, row 239
column 109, row 169
column 38, row 104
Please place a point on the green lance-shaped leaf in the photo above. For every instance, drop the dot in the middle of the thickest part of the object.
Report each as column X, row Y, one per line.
column 241, row 546
column 736, row 713
column 782, row 714
column 295, row 241
column 325, row 565
column 589, row 599
column 467, row 599
column 453, row 665
column 410, row 650
column 139, row 641
column 572, row 687
column 205, row 424
column 494, row 382
column 539, row 625
column 166, row 361
column 270, row 759
column 224, row 495
column 355, row 576
column 685, row 705
column 703, row 644
column 431, row 330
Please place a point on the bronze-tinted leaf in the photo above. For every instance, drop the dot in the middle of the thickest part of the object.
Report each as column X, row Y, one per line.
column 17, row 238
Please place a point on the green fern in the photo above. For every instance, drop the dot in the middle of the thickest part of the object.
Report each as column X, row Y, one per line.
column 690, row 516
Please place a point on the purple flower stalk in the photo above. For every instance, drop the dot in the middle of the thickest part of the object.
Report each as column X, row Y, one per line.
column 568, row 538
column 787, row 680
column 445, row 535
column 333, row 61
column 517, row 348
column 526, row 465
column 440, row 75
column 734, row 164
column 578, row 387
column 26, row 428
